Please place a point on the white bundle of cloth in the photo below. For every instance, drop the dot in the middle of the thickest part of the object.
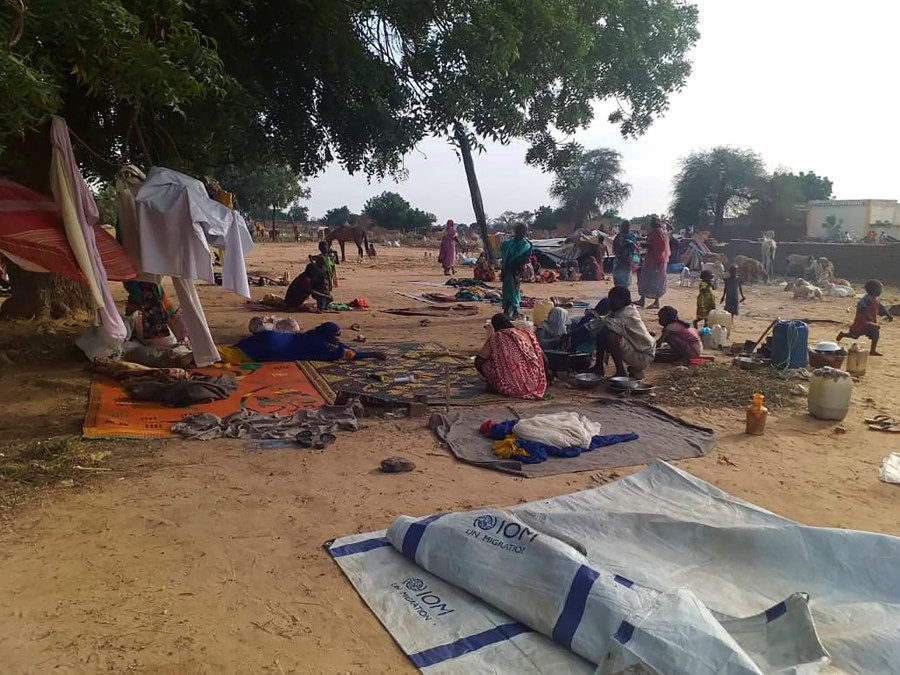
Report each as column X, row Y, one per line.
column 559, row 430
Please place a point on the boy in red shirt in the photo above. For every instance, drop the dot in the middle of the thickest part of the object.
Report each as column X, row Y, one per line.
column 867, row 312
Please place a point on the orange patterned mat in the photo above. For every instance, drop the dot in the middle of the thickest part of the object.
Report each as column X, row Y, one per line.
column 262, row 387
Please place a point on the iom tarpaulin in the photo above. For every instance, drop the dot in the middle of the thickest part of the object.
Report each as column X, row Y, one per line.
column 33, row 237
column 659, row 572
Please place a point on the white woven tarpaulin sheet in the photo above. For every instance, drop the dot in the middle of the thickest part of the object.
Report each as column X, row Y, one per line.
column 659, row 571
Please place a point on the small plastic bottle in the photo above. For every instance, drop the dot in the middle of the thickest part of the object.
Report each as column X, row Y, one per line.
column 756, row 416
column 403, row 379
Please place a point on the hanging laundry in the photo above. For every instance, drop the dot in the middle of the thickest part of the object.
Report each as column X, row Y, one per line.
column 80, row 215
column 177, row 225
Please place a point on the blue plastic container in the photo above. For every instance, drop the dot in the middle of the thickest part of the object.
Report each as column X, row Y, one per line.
column 790, row 341
column 674, row 268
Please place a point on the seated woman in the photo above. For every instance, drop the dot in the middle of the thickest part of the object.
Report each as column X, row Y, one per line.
column 552, row 333
column 624, row 337
column 512, row 361
column 322, row 343
column 156, row 322
column 484, row 271
column 682, row 340
column 315, row 282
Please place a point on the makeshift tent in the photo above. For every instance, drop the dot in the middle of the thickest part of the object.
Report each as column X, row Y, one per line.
column 558, row 252
column 658, row 572
column 177, row 223
column 33, row 237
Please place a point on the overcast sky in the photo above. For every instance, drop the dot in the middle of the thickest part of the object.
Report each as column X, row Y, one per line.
column 809, row 84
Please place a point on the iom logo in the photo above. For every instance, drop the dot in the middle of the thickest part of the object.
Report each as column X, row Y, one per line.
column 486, row 522
column 414, row 584
column 422, row 599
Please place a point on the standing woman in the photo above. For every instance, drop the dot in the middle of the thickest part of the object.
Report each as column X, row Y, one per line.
column 447, row 256
column 652, row 283
column 514, row 253
column 624, row 250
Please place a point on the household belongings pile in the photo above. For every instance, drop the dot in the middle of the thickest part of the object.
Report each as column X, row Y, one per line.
column 659, row 572
column 533, row 440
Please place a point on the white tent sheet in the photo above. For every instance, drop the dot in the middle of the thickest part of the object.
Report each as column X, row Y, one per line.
column 177, row 224
column 665, row 572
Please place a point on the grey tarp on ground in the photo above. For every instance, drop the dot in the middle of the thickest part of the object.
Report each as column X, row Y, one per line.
column 662, row 436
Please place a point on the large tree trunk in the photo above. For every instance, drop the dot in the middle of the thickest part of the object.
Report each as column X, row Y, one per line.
column 477, row 205
column 45, row 296
column 40, row 296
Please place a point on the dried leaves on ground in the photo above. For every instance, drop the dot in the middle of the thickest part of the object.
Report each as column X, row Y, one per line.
column 719, row 385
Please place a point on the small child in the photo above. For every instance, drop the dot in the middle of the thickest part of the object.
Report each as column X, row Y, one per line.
column 684, row 341
column 706, row 300
column 734, row 288
column 867, row 312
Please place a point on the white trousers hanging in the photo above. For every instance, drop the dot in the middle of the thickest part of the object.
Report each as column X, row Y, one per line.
column 202, row 344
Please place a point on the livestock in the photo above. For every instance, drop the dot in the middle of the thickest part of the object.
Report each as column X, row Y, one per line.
column 769, row 249
column 798, row 265
column 716, row 268
column 751, row 270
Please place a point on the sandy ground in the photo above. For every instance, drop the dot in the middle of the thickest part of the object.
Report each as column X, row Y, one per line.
column 202, row 558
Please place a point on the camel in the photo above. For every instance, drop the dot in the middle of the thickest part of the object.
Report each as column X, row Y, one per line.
column 769, row 249
column 346, row 233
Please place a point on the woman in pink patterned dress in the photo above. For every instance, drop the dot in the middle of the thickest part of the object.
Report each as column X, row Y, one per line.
column 512, row 361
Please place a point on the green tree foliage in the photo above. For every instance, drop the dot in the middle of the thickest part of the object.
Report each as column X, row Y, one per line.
column 338, row 216
column 212, row 83
column 393, row 212
column 266, row 186
column 418, row 220
column 715, row 183
column 782, row 198
column 546, row 218
column 589, row 182
column 389, row 210
column 105, row 197
column 298, row 213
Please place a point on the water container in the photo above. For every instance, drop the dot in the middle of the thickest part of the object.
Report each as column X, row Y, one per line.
column 829, row 394
column 719, row 317
column 542, row 311
column 756, row 416
column 857, row 360
column 789, row 344
column 719, row 336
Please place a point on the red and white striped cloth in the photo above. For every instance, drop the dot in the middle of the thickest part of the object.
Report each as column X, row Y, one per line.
column 32, row 236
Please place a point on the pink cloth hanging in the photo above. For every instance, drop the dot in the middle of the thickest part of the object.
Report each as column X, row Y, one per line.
column 80, row 214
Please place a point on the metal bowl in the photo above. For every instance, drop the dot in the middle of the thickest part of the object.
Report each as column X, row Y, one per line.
column 587, row 380
column 748, row 363
column 623, row 383
column 826, row 347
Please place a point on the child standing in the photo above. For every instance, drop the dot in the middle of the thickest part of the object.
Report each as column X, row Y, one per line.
column 734, row 289
column 866, row 321
column 706, row 300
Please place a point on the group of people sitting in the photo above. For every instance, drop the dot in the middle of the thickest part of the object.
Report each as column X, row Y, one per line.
column 512, row 359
